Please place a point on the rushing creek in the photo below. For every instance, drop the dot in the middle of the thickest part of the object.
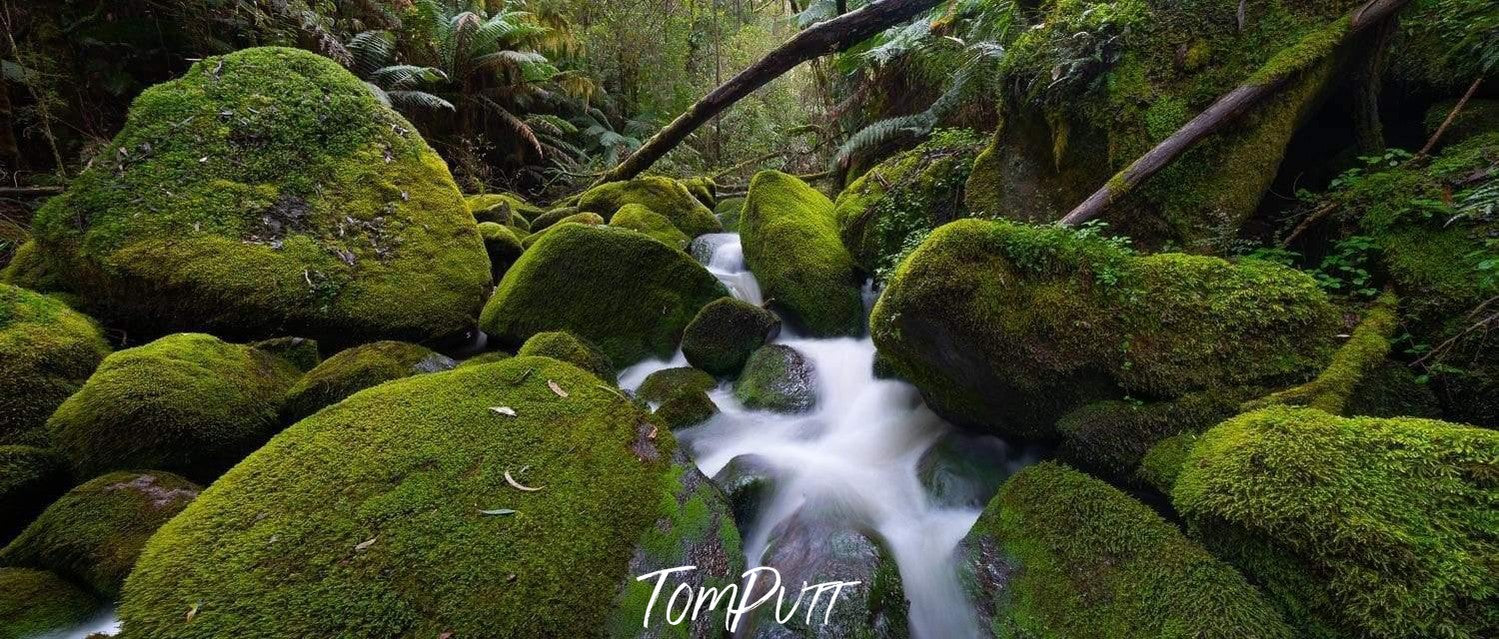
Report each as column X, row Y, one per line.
column 855, row 454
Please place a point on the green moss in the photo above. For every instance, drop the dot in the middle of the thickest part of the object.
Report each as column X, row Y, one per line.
column 366, row 519
column 1084, row 558
column 566, row 347
column 686, row 408
column 34, row 602
column 1010, row 326
column 1363, row 353
column 661, row 385
column 1308, row 52
column 637, row 217
column 30, row 478
column 551, row 217
column 585, row 219
column 777, row 378
column 1356, row 527
column 193, row 219
column 356, row 369
column 1163, row 462
column 662, row 195
column 94, row 533
column 188, row 403
column 790, row 239
column 301, row 352
column 728, row 213
column 503, row 245
column 485, row 358
column 501, row 208
column 1112, row 436
column 703, row 188
column 575, row 279
column 1477, row 117
column 722, row 335
column 31, row 268
column 46, row 351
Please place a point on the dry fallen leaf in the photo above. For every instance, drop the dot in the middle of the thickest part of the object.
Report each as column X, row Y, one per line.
column 446, row 635
column 556, row 389
column 497, row 511
column 364, row 545
column 503, row 410
column 517, row 485
column 194, row 612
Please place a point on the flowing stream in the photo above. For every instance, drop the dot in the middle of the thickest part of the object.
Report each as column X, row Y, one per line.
column 857, row 451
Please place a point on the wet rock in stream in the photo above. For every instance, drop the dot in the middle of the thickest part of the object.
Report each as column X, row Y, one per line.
column 778, row 378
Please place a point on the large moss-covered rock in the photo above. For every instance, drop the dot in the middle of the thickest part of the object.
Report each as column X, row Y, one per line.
column 1110, row 437
column 1075, row 109
column 35, row 602
column 46, row 351
column 790, row 240
column 300, row 351
column 778, row 378
column 728, row 211
column 686, row 408
column 887, row 211
column 637, row 217
column 1009, row 326
column 722, row 336
column 503, row 245
column 389, row 515
column 628, row 294
column 30, row 478
column 267, row 191
column 188, row 403
column 662, row 195
column 661, row 385
column 502, row 208
column 94, row 533
column 585, row 219
column 703, row 188
column 566, row 347
column 356, row 369
column 1060, row 554
column 1357, row 527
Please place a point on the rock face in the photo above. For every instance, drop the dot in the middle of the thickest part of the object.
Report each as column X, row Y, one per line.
column 790, row 240
column 301, row 539
column 630, row 295
column 34, row 602
column 356, row 369
column 94, row 533
column 778, row 378
column 566, row 347
column 1060, row 554
column 46, row 351
column 664, row 196
column 188, row 403
column 193, row 221
column 722, row 336
column 30, row 478
column 637, row 217
column 1354, row 526
column 1009, row 326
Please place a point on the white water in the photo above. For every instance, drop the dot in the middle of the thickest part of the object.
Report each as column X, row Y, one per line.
column 856, row 452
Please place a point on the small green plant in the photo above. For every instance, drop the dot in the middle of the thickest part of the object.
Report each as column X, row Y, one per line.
column 1346, row 269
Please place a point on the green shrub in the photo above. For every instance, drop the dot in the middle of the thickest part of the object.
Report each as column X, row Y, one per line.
column 46, row 351
column 356, row 369
column 790, row 240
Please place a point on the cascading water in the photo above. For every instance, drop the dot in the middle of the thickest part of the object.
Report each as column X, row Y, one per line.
column 857, row 450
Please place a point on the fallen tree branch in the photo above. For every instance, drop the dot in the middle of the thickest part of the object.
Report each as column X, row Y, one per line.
column 30, row 190
column 820, row 39
column 1272, row 77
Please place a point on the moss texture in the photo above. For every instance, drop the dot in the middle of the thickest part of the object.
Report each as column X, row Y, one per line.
column 790, row 240
column 188, row 403
column 1010, row 326
column 541, row 222
column 1111, row 437
column 1060, row 554
column 728, row 211
column 566, row 347
column 1358, row 527
column 46, row 351
column 192, row 220
column 637, row 217
column 704, row 189
column 888, row 211
column 1163, row 462
column 34, row 602
column 300, row 351
column 356, row 369
column 663, row 195
column 485, row 358
column 661, row 385
column 585, row 219
column 686, row 408
column 1363, row 353
column 722, row 336
column 630, row 295
column 30, row 478
column 777, row 378
column 501, row 208
column 503, row 245
column 94, row 533
column 368, row 519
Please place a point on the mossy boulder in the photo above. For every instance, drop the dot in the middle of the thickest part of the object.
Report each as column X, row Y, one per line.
column 703, row 188
column 1110, row 437
column 35, row 602
column 303, row 538
column 791, row 243
column 30, row 478
column 1009, row 326
column 1163, row 462
column 886, row 212
column 661, row 385
column 1075, row 110
column 267, row 191
column 686, row 408
column 541, row 222
column 778, row 378
column 94, row 533
column 637, row 217
column 188, row 403
column 356, row 369
column 722, row 336
column 728, row 211
column 485, row 358
column 1060, row 554
column 501, row 208
column 300, row 351
column 503, row 245
column 628, row 294
column 662, row 195
column 1356, row 527
column 566, row 347
column 585, row 219
column 962, row 470
column 46, row 351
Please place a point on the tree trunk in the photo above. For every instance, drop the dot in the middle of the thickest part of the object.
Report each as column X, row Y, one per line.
column 1367, row 130
column 820, row 39
column 1228, row 107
